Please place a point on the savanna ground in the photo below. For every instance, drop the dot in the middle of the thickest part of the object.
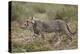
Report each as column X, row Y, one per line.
column 21, row 39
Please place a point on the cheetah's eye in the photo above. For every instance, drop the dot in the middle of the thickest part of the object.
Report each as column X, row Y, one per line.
column 25, row 24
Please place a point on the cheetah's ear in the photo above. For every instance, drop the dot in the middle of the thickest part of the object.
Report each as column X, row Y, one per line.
column 30, row 18
column 34, row 18
column 33, row 21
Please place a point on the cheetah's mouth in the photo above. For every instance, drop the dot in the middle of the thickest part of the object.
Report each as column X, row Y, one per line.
column 23, row 27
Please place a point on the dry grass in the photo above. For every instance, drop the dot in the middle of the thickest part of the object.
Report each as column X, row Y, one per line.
column 22, row 40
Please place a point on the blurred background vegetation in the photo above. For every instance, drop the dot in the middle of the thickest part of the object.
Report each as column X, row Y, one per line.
column 21, row 39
